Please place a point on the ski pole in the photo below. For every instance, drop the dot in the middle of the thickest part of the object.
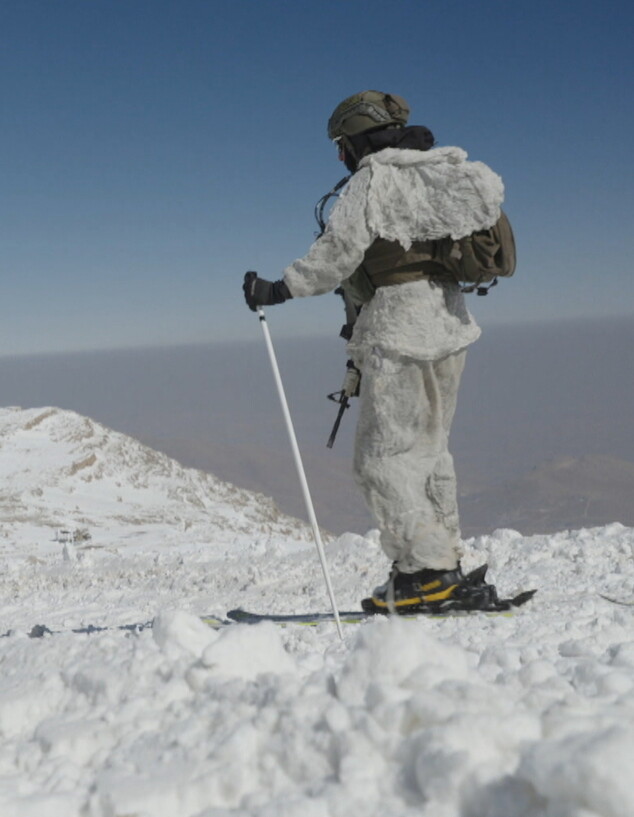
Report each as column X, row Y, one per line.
column 300, row 468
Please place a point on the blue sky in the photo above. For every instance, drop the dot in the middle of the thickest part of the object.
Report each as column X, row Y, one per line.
column 152, row 151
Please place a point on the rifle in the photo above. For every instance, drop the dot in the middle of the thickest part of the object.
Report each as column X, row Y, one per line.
column 352, row 378
column 349, row 389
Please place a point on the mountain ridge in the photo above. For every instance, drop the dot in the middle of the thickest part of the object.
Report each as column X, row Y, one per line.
column 59, row 468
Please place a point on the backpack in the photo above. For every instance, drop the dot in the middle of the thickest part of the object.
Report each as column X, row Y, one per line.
column 479, row 258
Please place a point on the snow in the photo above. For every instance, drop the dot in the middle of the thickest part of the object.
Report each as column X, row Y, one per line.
column 523, row 716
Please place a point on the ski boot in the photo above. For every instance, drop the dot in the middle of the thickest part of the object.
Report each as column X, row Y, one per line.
column 438, row 591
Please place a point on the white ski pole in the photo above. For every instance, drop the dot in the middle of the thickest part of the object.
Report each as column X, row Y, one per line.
column 300, row 468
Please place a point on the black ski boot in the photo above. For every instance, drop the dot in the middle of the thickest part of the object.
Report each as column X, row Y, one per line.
column 438, row 591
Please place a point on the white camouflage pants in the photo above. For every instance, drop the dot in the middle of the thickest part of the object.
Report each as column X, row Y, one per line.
column 401, row 461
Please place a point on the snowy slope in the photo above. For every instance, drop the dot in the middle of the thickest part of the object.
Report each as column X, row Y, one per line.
column 527, row 716
column 59, row 469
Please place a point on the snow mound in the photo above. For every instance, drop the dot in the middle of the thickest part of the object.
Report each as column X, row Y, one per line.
column 177, row 631
column 247, row 652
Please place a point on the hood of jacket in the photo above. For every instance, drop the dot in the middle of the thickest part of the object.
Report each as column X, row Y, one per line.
column 413, row 137
column 412, row 195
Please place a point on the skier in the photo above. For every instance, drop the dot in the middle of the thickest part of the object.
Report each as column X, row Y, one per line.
column 409, row 340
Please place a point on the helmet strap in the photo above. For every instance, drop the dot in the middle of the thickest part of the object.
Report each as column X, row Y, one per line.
column 350, row 157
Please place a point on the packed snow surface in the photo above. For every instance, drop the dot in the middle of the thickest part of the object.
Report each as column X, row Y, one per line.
column 524, row 716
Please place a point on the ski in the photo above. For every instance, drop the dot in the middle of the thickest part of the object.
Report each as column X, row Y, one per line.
column 42, row 630
column 240, row 616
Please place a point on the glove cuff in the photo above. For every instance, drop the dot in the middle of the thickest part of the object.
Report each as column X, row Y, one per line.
column 280, row 292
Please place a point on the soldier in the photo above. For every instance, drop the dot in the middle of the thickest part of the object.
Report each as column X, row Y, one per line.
column 410, row 338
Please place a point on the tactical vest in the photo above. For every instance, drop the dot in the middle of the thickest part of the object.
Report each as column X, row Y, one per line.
column 386, row 263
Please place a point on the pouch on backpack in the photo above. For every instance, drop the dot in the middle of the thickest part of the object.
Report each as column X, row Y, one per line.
column 480, row 258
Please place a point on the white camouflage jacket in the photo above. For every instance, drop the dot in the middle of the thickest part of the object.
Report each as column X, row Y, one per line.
column 404, row 196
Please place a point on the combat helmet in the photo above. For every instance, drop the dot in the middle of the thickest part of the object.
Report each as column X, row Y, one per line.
column 368, row 110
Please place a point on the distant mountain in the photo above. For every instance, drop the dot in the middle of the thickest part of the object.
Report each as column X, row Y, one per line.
column 565, row 493
column 63, row 470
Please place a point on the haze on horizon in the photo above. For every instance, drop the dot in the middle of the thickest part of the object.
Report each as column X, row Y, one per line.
column 530, row 394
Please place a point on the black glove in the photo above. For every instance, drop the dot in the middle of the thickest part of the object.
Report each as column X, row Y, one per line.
column 258, row 292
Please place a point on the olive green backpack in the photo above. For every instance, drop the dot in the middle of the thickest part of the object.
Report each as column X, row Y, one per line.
column 479, row 258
